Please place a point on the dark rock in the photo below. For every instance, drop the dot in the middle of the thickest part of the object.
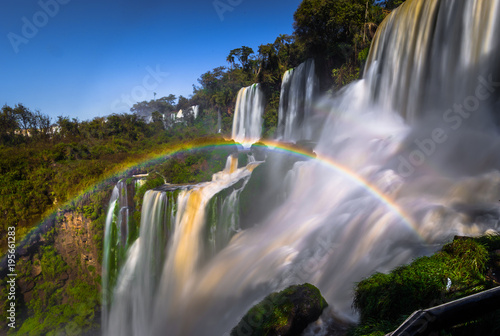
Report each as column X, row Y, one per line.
column 286, row 313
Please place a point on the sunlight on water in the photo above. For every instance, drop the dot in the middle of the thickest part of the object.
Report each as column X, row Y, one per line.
column 418, row 128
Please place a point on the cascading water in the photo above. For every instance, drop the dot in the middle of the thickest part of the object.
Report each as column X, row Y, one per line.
column 397, row 175
column 298, row 92
column 134, row 293
column 116, row 239
column 194, row 110
column 176, row 239
column 219, row 122
column 429, row 56
column 247, row 122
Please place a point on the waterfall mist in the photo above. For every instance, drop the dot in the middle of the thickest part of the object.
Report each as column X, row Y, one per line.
column 407, row 159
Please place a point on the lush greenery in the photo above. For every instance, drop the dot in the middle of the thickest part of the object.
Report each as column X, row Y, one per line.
column 335, row 33
column 41, row 172
column 461, row 268
column 45, row 163
column 58, row 305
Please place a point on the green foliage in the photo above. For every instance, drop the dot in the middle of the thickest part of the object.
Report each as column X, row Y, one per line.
column 151, row 183
column 321, row 25
column 337, row 34
column 38, row 177
column 346, row 74
column 71, row 318
column 52, row 263
column 21, row 125
column 385, row 300
column 193, row 166
column 363, row 55
column 47, row 314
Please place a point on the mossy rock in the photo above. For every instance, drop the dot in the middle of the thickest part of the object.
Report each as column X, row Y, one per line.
column 285, row 313
column 463, row 267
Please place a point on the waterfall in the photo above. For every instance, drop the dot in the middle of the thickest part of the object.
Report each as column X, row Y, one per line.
column 219, row 122
column 247, row 122
column 429, row 55
column 195, row 109
column 298, row 91
column 402, row 166
column 176, row 239
column 116, row 233
column 134, row 293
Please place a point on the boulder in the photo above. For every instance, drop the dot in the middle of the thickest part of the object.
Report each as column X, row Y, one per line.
column 284, row 313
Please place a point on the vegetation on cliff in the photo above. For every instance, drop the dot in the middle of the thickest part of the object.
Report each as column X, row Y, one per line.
column 44, row 164
column 463, row 267
column 52, row 296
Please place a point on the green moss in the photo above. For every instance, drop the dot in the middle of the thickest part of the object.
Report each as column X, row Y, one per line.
column 283, row 313
column 385, row 300
column 72, row 318
column 151, row 183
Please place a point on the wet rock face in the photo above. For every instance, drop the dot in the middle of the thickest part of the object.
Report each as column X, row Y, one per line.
column 284, row 313
column 75, row 243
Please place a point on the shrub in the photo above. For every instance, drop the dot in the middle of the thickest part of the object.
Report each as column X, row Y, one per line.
column 385, row 300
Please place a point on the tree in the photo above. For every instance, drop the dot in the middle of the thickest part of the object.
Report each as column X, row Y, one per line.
column 392, row 4
column 183, row 103
column 24, row 117
column 243, row 55
column 320, row 26
column 41, row 125
column 163, row 106
column 20, row 124
column 68, row 128
column 169, row 100
column 335, row 33
column 8, row 125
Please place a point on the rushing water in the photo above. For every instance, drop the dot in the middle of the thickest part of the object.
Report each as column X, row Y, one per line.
column 408, row 158
column 298, row 92
column 247, row 122
column 195, row 110
column 176, row 239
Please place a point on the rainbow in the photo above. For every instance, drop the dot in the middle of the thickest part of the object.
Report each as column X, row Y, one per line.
column 272, row 145
column 347, row 173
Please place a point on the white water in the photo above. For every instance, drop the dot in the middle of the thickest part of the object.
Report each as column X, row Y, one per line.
column 115, row 237
column 247, row 122
column 397, row 190
column 195, row 110
column 219, row 122
column 105, row 260
column 168, row 253
column 298, row 92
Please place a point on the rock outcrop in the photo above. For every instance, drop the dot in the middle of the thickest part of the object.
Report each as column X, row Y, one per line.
column 285, row 313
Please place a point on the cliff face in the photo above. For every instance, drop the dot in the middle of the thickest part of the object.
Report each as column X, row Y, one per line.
column 58, row 281
column 75, row 241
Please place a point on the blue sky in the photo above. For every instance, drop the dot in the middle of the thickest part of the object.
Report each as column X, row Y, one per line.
column 91, row 58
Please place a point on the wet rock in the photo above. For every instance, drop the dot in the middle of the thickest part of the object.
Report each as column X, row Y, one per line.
column 284, row 313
